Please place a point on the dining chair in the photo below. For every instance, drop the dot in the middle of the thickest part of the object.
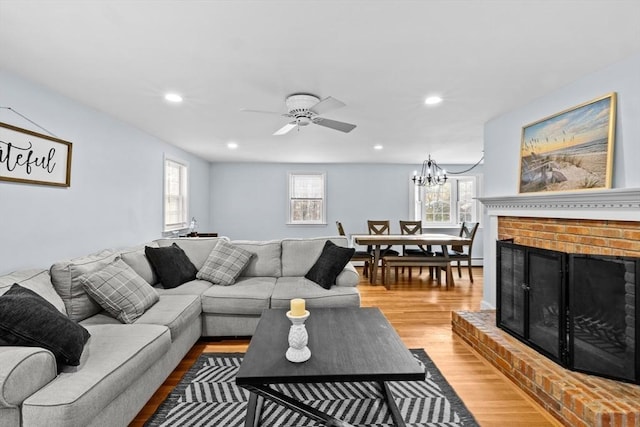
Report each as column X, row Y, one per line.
column 413, row 227
column 381, row 227
column 460, row 253
column 363, row 256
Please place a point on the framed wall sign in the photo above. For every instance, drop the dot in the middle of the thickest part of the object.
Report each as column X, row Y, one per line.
column 571, row 150
column 33, row 158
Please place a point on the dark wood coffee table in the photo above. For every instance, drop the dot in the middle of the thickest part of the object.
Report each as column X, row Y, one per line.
column 347, row 345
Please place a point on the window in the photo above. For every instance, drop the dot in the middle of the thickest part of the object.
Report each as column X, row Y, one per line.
column 175, row 195
column 448, row 204
column 307, row 198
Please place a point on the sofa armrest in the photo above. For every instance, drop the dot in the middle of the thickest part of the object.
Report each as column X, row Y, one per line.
column 348, row 277
column 23, row 371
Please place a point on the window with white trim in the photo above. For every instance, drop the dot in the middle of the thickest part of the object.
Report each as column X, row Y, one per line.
column 176, row 194
column 307, row 198
column 449, row 204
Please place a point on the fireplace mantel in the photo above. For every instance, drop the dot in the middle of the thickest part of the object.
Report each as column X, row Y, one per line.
column 615, row 204
column 618, row 204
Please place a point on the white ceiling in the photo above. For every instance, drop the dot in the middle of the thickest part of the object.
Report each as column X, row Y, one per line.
column 382, row 58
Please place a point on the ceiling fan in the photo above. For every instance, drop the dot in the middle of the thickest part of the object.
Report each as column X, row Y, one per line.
column 306, row 109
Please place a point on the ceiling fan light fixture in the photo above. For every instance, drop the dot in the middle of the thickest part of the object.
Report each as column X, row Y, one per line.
column 305, row 109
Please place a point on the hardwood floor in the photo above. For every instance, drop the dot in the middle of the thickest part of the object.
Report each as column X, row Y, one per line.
column 421, row 313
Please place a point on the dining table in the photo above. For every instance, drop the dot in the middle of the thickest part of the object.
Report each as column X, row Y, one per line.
column 377, row 241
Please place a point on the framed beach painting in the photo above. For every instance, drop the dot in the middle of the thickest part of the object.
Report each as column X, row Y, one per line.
column 571, row 150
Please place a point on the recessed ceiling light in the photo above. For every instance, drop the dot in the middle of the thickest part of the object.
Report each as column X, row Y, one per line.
column 378, row 147
column 173, row 97
column 232, row 145
column 433, row 100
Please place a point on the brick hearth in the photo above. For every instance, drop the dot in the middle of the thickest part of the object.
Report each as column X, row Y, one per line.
column 574, row 398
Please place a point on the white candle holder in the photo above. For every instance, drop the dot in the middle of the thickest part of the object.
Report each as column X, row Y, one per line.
column 298, row 339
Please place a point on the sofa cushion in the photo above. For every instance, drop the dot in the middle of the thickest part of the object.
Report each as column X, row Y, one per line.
column 120, row 291
column 196, row 248
column 194, row 287
column 176, row 312
column 248, row 296
column 224, row 264
column 171, row 264
column 299, row 255
column 138, row 261
column 65, row 276
column 116, row 356
column 329, row 264
column 265, row 261
column 27, row 319
column 38, row 281
column 315, row 296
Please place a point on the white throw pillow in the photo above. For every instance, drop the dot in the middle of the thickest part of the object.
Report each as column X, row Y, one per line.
column 224, row 264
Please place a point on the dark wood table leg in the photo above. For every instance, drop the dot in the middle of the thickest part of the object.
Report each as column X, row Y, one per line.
column 391, row 403
column 293, row 404
column 254, row 410
column 374, row 267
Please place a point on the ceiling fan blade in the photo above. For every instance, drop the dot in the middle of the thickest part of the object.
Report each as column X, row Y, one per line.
column 246, row 110
column 334, row 124
column 286, row 128
column 327, row 104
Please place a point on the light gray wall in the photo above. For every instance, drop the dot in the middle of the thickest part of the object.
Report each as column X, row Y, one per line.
column 249, row 200
column 115, row 198
column 502, row 134
column 502, row 137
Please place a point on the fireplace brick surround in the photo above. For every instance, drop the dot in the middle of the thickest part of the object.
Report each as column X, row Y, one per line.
column 575, row 399
column 592, row 237
column 595, row 223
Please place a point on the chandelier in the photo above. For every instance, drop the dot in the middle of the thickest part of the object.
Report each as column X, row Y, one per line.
column 430, row 174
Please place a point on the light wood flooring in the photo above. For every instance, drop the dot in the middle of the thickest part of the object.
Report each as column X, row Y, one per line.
column 421, row 313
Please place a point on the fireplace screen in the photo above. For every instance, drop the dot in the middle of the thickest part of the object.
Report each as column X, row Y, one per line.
column 546, row 315
column 603, row 316
column 512, row 299
column 578, row 310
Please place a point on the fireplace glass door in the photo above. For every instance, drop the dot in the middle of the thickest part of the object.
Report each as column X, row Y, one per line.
column 603, row 323
column 546, row 301
column 531, row 297
column 511, row 295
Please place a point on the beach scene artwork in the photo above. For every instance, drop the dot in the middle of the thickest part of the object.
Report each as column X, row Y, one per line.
column 571, row 150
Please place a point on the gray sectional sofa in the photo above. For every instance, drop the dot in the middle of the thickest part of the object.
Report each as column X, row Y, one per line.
column 122, row 365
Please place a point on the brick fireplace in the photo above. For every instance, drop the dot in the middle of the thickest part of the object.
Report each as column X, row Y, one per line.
column 594, row 237
column 595, row 223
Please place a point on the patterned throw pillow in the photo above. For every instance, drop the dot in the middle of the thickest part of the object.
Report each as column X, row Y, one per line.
column 120, row 291
column 224, row 264
column 330, row 264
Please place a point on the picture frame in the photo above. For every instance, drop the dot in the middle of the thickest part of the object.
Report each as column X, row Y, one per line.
column 571, row 150
column 33, row 158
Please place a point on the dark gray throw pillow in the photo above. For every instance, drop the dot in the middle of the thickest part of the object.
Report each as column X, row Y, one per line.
column 331, row 262
column 27, row 319
column 172, row 266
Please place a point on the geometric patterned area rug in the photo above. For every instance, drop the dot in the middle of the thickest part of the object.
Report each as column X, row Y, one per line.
column 208, row 396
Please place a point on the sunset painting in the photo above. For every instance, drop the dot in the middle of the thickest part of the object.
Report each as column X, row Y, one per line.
column 572, row 150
